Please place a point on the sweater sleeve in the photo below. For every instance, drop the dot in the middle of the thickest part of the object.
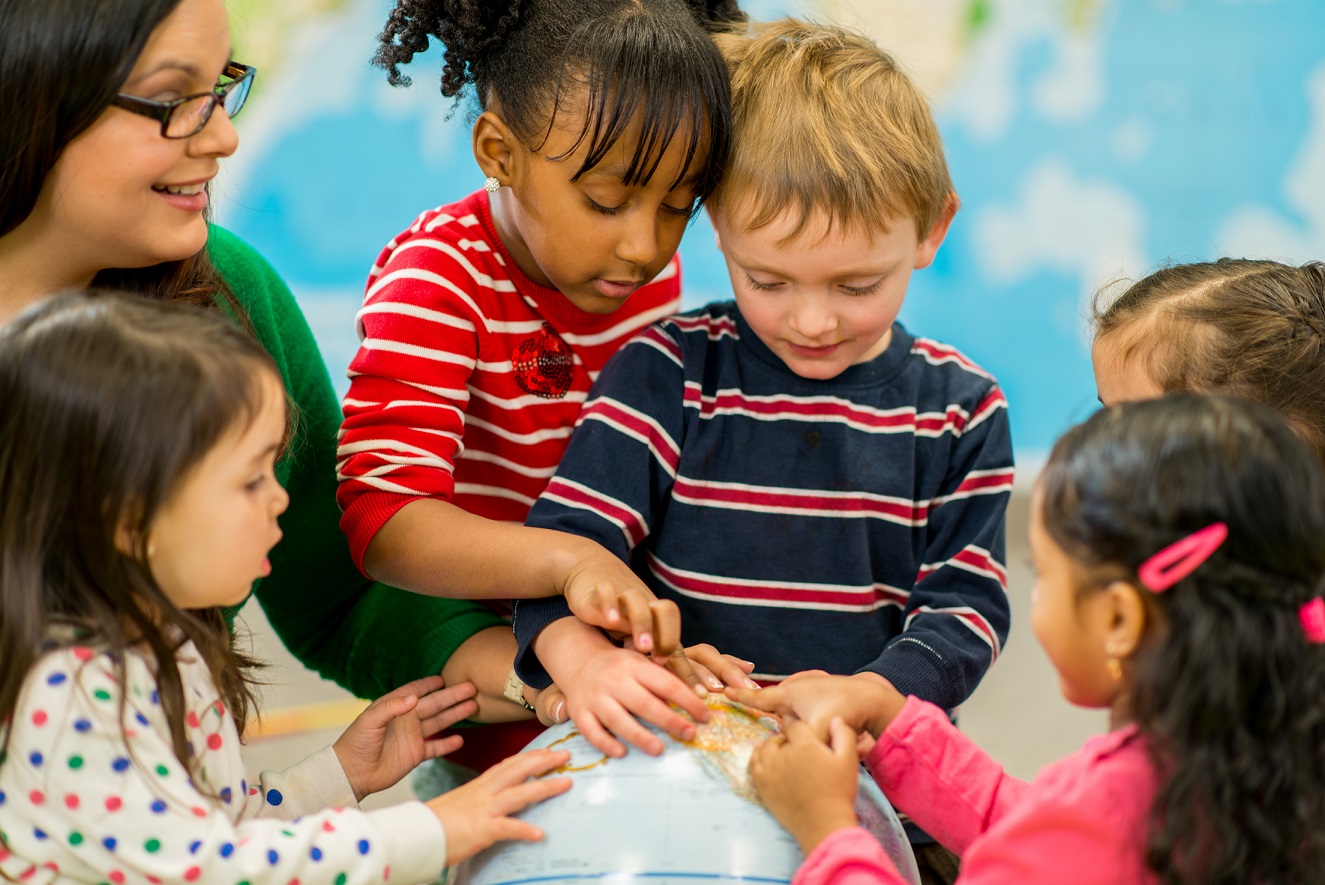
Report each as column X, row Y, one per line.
column 368, row 637
column 938, row 776
column 102, row 797
column 849, row 856
column 409, row 388
column 618, row 471
column 956, row 619
column 1087, row 814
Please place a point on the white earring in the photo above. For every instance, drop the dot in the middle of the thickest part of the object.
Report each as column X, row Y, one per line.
column 491, row 184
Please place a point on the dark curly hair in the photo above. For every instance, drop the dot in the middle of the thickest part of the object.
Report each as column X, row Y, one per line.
column 61, row 62
column 651, row 60
column 1225, row 686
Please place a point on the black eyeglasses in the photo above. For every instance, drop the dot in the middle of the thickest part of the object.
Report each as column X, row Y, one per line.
column 188, row 115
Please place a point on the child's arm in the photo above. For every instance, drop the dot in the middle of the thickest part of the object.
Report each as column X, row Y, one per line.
column 615, row 478
column 426, row 352
column 82, row 796
column 957, row 614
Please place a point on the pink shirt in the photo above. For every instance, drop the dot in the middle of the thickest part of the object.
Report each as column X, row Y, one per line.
column 1082, row 820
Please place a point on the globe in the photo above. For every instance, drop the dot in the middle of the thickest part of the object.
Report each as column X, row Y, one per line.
column 690, row 815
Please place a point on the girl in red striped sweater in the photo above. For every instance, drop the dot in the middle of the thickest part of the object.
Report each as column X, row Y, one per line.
column 602, row 127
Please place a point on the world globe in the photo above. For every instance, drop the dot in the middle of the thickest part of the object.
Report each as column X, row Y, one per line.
column 688, row 816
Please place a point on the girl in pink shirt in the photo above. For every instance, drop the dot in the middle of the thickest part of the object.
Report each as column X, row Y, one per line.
column 1179, row 578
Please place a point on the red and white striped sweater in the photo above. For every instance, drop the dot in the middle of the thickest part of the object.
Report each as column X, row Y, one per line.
column 469, row 375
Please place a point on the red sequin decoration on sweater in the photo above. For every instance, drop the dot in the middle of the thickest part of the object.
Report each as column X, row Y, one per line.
column 543, row 364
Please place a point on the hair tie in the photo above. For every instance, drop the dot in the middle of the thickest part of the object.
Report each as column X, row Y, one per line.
column 1312, row 616
column 1178, row 560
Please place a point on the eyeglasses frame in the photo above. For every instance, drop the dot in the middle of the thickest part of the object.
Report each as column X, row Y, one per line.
column 163, row 110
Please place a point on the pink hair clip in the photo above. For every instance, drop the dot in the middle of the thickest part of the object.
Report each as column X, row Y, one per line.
column 1312, row 616
column 1178, row 560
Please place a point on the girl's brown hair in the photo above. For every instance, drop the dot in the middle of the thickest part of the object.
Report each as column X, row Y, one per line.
column 1250, row 329
column 109, row 401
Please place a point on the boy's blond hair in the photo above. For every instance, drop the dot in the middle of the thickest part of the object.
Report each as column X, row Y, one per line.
column 827, row 123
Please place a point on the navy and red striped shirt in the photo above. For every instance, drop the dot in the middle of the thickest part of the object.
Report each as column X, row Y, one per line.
column 849, row 524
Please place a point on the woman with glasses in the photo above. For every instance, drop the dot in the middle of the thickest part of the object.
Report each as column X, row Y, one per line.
column 114, row 118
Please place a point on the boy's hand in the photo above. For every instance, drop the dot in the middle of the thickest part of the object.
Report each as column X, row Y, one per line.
column 602, row 590
column 809, row 786
column 477, row 814
column 706, row 669
column 550, row 705
column 607, row 687
column 864, row 702
column 387, row 741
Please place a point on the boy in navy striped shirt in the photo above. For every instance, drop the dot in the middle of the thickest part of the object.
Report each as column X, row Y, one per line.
column 812, row 484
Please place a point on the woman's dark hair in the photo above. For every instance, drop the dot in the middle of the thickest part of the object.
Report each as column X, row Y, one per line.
column 1225, row 686
column 61, row 62
column 1248, row 328
column 646, row 60
column 109, row 400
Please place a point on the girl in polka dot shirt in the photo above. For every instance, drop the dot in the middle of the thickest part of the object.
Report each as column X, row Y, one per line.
column 137, row 442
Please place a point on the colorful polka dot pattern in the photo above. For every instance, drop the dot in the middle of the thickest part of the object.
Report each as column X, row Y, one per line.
column 79, row 801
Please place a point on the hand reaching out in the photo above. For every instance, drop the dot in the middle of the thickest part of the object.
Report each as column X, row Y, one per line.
column 809, row 786
column 607, row 687
column 477, row 814
column 706, row 669
column 602, row 590
column 866, row 703
column 388, row 740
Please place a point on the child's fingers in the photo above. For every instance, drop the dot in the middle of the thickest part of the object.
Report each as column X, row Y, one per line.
column 638, row 619
column 664, row 685
column 680, row 664
column 512, row 829
column 802, row 675
column 666, row 619
column 440, row 697
column 433, row 703
column 729, row 670
column 381, row 711
column 512, row 799
column 550, row 706
column 842, row 739
column 599, row 738
column 448, row 716
column 621, row 722
column 418, row 687
column 770, row 700
column 520, row 767
column 438, row 747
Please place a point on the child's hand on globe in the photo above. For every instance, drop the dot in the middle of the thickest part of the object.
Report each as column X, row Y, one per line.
column 864, row 702
column 809, row 786
column 602, row 590
column 477, row 814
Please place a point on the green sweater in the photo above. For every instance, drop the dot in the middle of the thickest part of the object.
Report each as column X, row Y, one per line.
column 368, row 637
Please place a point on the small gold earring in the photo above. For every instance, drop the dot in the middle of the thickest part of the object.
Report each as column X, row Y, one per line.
column 491, row 184
column 1115, row 668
